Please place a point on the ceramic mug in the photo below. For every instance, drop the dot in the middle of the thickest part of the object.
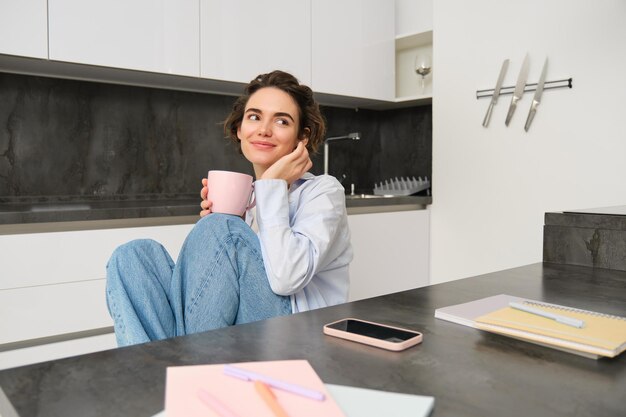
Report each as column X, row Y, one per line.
column 230, row 192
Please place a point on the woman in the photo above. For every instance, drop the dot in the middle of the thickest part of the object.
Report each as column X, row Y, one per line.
column 226, row 273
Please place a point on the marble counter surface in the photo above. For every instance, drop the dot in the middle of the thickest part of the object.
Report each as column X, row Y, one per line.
column 469, row 372
column 81, row 208
column 26, row 214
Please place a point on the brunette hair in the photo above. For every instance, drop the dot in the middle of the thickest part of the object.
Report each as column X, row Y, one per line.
column 311, row 118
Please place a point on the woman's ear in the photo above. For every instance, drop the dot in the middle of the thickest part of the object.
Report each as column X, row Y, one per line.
column 306, row 133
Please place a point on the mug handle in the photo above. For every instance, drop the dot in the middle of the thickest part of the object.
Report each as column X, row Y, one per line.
column 253, row 197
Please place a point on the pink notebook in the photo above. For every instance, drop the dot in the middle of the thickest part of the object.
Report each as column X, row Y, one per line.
column 183, row 383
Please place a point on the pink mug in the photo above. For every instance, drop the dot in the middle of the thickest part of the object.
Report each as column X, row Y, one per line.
column 230, row 192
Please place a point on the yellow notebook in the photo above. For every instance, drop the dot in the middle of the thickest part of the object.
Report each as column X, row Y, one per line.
column 602, row 334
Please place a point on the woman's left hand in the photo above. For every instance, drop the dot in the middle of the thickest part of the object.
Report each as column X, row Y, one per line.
column 205, row 204
column 291, row 166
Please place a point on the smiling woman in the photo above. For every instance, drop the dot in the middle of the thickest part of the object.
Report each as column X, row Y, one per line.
column 226, row 273
column 269, row 131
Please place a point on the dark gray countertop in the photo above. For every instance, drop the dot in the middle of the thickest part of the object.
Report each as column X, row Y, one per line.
column 613, row 210
column 613, row 218
column 469, row 372
column 80, row 209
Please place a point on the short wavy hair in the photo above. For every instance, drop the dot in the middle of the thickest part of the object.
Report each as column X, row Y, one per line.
column 309, row 112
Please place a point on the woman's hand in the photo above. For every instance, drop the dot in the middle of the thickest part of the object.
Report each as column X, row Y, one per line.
column 291, row 166
column 205, row 204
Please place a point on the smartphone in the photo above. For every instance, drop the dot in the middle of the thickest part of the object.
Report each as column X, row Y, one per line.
column 374, row 334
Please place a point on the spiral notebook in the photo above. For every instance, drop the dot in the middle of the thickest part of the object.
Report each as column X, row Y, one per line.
column 603, row 335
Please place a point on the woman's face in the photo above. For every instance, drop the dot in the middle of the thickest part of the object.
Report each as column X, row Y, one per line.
column 269, row 129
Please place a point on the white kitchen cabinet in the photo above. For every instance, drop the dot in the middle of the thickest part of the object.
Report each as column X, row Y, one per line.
column 24, row 28
column 408, row 82
column 414, row 36
column 353, row 48
column 391, row 252
column 158, row 36
column 53, row 284
column 413, row 16
column 243, row 38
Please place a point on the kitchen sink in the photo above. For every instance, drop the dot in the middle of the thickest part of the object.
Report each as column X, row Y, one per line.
column 363, row 196
column 60, row 207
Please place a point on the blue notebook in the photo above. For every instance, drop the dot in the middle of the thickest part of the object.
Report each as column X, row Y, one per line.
column 362, row 402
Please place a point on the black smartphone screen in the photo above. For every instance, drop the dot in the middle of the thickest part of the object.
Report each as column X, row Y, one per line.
column 373, row 330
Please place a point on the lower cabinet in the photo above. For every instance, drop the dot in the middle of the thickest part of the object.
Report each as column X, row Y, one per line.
column 52, row 285
column 391, row 252
column 52, row 290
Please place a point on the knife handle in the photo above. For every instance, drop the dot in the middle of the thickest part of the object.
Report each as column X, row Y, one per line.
column 512, row 108
column 531, row 115
column 488, row 115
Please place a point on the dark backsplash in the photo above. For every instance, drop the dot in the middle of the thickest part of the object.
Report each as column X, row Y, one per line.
column 64, row 137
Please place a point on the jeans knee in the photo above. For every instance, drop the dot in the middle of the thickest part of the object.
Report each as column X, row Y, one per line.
column 134, row 249
column 130, row 254
column 220, row 225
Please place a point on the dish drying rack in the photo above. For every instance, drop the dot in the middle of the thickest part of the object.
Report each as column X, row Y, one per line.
column 402, row 186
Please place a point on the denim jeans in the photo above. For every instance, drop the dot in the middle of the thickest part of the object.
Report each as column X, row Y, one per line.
column 219, row 280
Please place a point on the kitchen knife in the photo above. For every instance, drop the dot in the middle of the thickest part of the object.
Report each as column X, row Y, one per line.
column 537, row 97
column 496, row 91
column 519, row 89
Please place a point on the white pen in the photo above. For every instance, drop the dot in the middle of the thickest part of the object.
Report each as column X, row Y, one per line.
column 570, row 321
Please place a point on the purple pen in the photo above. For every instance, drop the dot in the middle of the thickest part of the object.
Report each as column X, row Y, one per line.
column 214, row 404
column 246, row 375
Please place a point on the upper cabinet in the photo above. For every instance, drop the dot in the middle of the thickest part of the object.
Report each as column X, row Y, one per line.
column 149, row 35
column 24, row 28
column 353, row 48
column 413, row 16
column 414, row 38
column 243, row 38
column 352, row 53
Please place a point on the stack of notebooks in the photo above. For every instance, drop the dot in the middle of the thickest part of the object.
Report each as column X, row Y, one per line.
column 289, row 388
column 572, row 330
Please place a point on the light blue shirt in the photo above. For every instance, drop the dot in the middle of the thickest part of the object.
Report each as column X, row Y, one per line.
column 305, row 239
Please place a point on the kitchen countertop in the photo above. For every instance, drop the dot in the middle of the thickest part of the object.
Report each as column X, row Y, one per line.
column 612, row 211
column 24, row 215
column 469, row 372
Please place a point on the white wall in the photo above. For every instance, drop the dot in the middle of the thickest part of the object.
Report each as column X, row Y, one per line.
column 492, row 186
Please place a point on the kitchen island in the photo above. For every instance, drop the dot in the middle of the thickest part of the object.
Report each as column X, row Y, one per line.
column 469, row 372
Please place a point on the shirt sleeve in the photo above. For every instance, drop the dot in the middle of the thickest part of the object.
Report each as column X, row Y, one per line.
column 297, row 236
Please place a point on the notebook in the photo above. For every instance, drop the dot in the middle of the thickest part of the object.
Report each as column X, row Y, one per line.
column 183, row 382
column 602, row 334
column 240, row 396
column 362, row 402
column 467, row 314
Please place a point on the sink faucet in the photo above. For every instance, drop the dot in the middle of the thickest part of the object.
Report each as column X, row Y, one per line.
column 353, row 136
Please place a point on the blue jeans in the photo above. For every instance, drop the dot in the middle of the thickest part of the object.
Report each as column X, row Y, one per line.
column 219, row 280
